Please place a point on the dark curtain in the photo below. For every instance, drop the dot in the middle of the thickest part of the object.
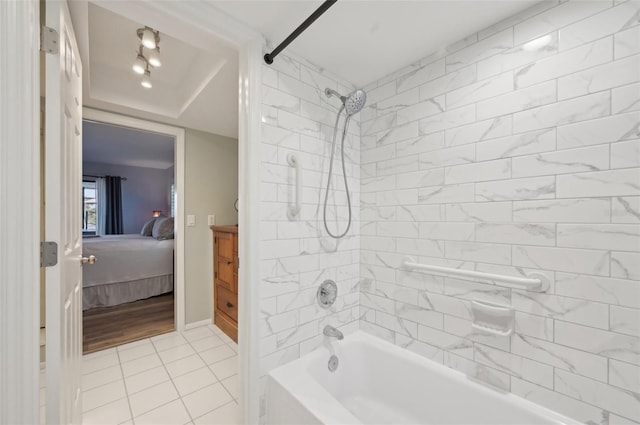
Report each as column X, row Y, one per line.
column 113, row 195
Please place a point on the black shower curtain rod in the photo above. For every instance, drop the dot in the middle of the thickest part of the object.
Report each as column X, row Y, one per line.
column 269, row 57
column 101, row 177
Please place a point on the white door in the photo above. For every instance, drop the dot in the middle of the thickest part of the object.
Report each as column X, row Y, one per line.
column 63, row 225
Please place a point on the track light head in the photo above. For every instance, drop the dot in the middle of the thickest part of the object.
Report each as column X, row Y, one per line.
column 139, row 65
column 154, row 58
column 146, row 80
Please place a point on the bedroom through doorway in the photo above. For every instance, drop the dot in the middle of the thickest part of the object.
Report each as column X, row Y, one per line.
column 128, row 194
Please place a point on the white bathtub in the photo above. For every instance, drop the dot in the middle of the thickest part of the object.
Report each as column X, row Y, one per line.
column 379, row 383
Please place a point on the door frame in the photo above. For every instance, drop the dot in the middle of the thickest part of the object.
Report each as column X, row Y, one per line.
column 179, row 164
column 19, row 211
column 20, row 214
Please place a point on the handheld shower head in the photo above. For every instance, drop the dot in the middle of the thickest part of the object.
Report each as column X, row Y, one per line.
column 353, row 103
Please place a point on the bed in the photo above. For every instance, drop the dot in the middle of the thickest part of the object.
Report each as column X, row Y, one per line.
column 128, row 268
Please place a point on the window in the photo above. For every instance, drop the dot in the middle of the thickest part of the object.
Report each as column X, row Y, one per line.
column 89, row 208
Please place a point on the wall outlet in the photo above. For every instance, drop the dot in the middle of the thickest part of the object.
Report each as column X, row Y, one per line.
column 191, row 220
column 211, row 220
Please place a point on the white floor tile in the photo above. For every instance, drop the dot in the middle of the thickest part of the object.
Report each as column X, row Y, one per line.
column 207, row 343
column 170, row 340
column 134, row 344
column 91, row 363
column 151, row 398
column 206, row 399
column 231, row 384
column 176, row 353
column 194, row 380
column 101, row 353
column 101, row 377
column 233, row 346
column 197, row 333
column 217, row 354
column 173, row 413
column 225, row 368
column 143, row 380
column 102, row 395
column 136, row 352
column 225, row 415
column 226, row 338
column 141, row 364
column 182, row 366
column 115, row 412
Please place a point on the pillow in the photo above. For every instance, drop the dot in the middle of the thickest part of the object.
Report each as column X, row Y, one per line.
column 147, row 227
column 163, row 228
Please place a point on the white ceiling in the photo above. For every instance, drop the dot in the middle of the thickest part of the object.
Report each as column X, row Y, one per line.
column 363, row 40
column 112, row 144
column 196, row 86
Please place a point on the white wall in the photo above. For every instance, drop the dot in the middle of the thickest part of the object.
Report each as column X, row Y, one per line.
column 516, row 149
column 297, row 255
column 211, row 187
column 145, row 190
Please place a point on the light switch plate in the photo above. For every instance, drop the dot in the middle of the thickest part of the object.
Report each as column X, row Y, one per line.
column 211, row 220
column 191, row 220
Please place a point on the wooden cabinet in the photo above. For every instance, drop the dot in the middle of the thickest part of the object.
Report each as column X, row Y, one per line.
column 225, row 279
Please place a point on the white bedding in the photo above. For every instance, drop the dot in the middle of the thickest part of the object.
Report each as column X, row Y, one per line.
column 125, row 258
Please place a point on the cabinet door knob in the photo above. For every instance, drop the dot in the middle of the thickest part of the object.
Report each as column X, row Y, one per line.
column 229, row 262
column 229, row 305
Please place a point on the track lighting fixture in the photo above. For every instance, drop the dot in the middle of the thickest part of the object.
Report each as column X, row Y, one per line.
column 149, row 39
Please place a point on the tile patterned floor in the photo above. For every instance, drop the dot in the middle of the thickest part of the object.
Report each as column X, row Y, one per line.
column 175, row 378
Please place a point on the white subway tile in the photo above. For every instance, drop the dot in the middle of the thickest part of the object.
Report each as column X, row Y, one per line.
column 398, row 102
column 625, row 209
column 603, row 77
column 475, row 251
column 613, row 399
column 557, row 17
column 519, row 100
column 481, row 90
column 608, row 22
column 445, row 304
column 595, row 288
column 584, row 108
column 480, row 171
column 516, row 233
column 624, row 375
column 448, row 82
column 447, row 231
column 562, row 259
column 565, row 63
column 561, row 357
column 625, row 265
column 562, row 308
column 449, row 119
column 609, row 344
column 421, row 75
column 476, row 371
column 398, row 133
column 627, row 43
column 446, row 341
column 625, row 154
column 397, row 197
column 625, row 320
column 378, row 124
column 536, row 326
column 621, row 182
column 626, row 98
column 419, row 315
column 622, row 237
column 433, row 177
column 519, row 144
column 418, row 247
column 425, row 108
column 298, row 89
column 516, row 189
column 604, row 130
column 479, row 212
column 478, row 131
column 517, row 18
column 420, row 213
column 613, row 418
column 537, row 49
column 580, row 210
column 490, row 46
column 446, row 194
column 462, row 328
column 593, row 158
column 420, row 348
column 514, row 365
column 470, row 291
column 568, row 406
column 421, row 144
column 445, row 157
column 397, row 165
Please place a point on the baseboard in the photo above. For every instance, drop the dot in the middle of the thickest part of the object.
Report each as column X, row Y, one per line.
column 197, row 324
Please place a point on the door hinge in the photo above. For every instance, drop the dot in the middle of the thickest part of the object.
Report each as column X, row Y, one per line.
column 48, row 254
column 49, row 40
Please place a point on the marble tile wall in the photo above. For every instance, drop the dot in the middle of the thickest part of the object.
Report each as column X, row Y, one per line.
column 516, row 149
column 297, row 255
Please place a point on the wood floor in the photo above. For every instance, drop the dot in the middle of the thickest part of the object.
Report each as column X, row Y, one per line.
column 107, row 327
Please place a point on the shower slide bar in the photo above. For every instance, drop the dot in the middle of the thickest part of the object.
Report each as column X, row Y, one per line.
column 269, row 57
column 536, row 282
column 294, row 208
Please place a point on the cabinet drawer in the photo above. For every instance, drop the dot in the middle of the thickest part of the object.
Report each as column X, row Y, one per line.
column 227, row 302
